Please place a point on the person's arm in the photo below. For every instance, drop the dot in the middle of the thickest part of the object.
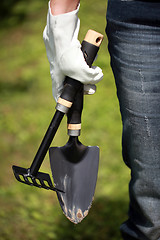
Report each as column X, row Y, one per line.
column 63, row 6
column 64, row 49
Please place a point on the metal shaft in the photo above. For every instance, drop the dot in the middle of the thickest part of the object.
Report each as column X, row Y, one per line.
column 46, row 142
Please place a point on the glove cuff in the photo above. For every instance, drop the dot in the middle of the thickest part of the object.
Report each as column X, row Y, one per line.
column 62, row 30
column 62, row 20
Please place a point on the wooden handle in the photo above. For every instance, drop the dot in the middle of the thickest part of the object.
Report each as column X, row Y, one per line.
column 94, row 37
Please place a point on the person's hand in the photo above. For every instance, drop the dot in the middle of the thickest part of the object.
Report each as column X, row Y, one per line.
column 64, row 53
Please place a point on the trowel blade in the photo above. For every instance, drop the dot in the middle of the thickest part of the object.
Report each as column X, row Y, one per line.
column 76, row 179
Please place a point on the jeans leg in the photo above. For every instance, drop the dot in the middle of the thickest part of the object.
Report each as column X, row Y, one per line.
column 135, row 61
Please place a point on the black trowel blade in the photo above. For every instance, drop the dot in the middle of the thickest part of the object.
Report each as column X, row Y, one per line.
column 76, row 179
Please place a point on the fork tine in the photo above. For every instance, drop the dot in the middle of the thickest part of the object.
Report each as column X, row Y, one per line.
column 35, row 182
column 41, row 180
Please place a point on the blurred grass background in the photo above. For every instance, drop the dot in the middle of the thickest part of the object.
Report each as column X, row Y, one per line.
column 26, row 108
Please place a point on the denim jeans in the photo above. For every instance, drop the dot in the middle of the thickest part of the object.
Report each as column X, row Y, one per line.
column 135, row 60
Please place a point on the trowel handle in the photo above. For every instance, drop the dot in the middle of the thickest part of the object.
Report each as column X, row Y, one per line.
column 90, row 47
column 74, row 115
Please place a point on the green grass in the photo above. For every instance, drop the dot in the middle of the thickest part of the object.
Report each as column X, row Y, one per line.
column 26, row 109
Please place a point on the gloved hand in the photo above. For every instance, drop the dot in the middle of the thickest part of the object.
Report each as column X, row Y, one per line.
column 64, row 53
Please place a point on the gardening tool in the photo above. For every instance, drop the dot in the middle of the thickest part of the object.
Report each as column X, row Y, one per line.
column 31, row 176
column 75, row 166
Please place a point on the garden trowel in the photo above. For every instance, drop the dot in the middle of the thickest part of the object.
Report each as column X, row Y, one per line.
column 76, row 170
column 75, row 166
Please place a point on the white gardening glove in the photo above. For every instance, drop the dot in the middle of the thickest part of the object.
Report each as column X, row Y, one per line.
column 64, row 53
